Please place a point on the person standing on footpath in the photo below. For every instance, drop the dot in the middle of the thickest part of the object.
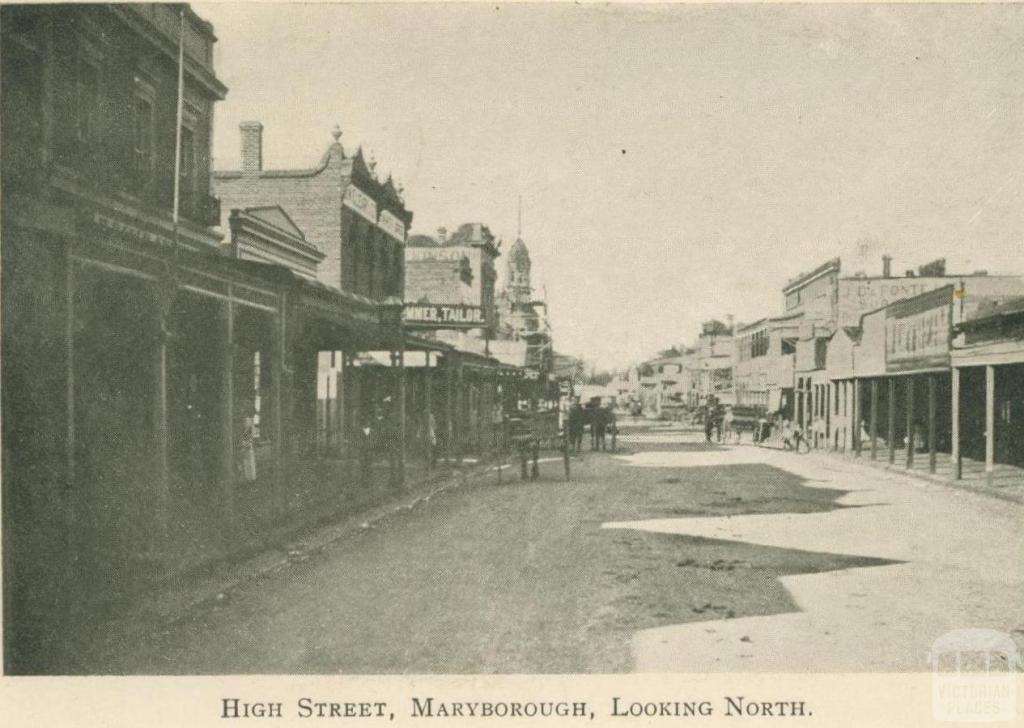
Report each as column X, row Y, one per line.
column 575, row 426
column 599, row 427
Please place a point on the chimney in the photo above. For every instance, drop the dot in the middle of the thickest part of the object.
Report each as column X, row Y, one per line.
column 442, row 235
column 886, row 266
column 252, row 146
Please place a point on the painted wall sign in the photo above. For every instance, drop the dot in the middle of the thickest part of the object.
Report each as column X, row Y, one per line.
column 357, row 200
column 443, row 316
column 131, row 231
column 392, row 226
column 917, row 332
column 860, row 295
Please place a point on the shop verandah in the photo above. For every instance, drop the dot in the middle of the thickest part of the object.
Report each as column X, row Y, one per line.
column 161, row 413
column 955, row 424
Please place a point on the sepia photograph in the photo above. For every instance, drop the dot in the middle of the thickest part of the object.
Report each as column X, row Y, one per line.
column 469, row 339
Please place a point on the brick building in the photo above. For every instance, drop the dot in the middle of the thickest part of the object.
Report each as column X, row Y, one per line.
column 358, row 226
column 114, row 317
column 358, row 222
column 457, row 268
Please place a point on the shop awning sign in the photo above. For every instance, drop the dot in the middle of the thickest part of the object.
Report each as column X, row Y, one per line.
column 443, row 316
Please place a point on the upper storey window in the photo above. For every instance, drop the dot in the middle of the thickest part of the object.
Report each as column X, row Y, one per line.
column 142, row 101
column 87, row 101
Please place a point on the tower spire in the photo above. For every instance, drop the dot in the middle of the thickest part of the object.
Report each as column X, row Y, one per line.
column 519, row 227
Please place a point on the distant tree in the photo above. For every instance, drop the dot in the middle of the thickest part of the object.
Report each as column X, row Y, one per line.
column 714, row 327
column 671, row 352
column 600, row 378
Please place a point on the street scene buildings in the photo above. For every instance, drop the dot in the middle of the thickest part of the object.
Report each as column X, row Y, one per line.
column 261, row 398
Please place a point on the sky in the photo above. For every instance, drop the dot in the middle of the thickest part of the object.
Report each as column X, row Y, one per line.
column 675, row 164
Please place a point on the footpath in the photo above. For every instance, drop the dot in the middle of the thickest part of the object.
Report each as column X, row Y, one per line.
column 173, row 600
column 1006, row 482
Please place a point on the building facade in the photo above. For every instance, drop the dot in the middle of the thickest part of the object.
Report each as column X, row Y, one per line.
column 106, row 297
column 358, row 222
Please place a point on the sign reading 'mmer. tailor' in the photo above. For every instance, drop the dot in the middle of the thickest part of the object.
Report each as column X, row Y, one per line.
column 443, row 315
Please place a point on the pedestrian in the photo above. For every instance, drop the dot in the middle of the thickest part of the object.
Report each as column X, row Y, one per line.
column 249, row 450
column 799, row 439
column 762, row 429
column 718, row 424
column 431, row 438
column 709, row 424
column 728, row 425
column 599, row 427
column 575, row 426
column 367, row 444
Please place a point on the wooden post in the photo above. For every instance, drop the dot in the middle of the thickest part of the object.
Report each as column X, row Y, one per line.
column 345, row 387
column 449, row 366
column 892, row 420
column 401, row 434
column 428, row 406
column 856, row 417
column 990, row 422
column 931, row 423
column 910, row 421
column 874, row 418
column 955, row 449
column 228, row 425
column 277, row 382
column 396, row 446
column 328, row 410
column 67, row 612
column 339, row 406
column 166, row 292
column 460, row 407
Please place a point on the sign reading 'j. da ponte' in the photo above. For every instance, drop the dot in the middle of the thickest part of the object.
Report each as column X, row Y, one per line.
column 443, row 316
column 917, row 331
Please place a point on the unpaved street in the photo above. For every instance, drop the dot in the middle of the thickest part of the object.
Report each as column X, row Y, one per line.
column 671, row 555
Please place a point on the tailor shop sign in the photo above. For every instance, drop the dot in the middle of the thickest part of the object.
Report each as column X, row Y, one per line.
column 443, row 316
column 917, row 332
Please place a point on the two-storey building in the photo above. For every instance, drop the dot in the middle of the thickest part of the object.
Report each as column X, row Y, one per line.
column 114, row 307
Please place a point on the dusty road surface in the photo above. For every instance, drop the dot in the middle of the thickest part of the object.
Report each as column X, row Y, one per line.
column 673, row 555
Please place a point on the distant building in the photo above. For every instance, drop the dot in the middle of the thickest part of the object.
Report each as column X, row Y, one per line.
column 711, row 367
column 825, row 305
column 522, row 316
column 459, row 268
column 764, row 363
column 664, row 383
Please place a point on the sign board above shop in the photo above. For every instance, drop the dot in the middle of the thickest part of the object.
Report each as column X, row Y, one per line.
column 917, row 331
column 443, row 316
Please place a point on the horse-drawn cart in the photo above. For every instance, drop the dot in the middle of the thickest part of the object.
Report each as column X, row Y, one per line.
column 531, row 432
